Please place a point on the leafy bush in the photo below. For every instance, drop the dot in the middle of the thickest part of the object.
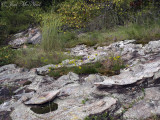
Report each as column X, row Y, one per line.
column 6, row 55
column 15, row 19
column 78, row 13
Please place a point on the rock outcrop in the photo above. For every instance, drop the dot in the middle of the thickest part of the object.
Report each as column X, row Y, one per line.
column 30, row 36
column 133, row 94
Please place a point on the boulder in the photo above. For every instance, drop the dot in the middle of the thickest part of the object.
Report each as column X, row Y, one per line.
column 140, row 73
column 36, row 39
column 31, row 36
column 18, row 42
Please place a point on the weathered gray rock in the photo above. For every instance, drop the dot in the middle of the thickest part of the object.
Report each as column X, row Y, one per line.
column 7, row 67
column 18, row 42
column 81, row 96
column 70, row 105
column 64, row 80
column 43, row 97
column 91, row 79
column 147, row 107
column 148, row 72
column 40, row 82
column 32, row 36
column 36, row 39
column 44, row 70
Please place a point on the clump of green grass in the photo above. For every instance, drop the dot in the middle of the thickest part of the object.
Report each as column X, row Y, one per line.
column 53, row 37
column 109, row 67
column 142, row 33
column 89, row 39
column 36, row 57
column 81, row 70
column 6, row 55
column 84, row 100
column 103, row 116
column 112, row 65
column 50, row 33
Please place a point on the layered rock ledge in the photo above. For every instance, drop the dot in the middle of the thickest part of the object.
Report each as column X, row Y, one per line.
column 133, row 94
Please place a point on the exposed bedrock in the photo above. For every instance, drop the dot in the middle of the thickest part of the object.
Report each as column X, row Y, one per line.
column 133, row 94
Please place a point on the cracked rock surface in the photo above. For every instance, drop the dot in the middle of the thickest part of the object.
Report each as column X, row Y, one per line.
column 133, row 94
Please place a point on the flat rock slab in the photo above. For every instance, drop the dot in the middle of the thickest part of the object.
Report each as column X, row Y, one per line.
column 147, row 107
column 140, row 73
column 82, row 111
column 43, row 98
column 67, row 111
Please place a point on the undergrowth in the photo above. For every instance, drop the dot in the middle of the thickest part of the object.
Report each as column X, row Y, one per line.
column 109, row 67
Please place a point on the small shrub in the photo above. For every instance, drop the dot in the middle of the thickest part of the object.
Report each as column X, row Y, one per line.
column 112, row 65
column 7, row 55
column 85, row 100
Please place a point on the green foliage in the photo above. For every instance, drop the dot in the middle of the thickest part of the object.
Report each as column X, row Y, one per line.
column 36, row 57
column 83, row 70
column 103, row 116
column 17, row 18
column 53, row 36
column 142, row 33
column 89, row 13
column 105, row 68
column 78, row 13
column 112, row 65
column 85, row 100
column 6, row 55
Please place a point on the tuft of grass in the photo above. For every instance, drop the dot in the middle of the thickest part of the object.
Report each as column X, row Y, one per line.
column 89, row 39
column 104, row 67
column 83, row 70
column 84, row 100
column 53, row 37
column 112, row 65
column 36, row 57
column 142, row 33
column 103, row 116
column 50, row 33
column 6, row 55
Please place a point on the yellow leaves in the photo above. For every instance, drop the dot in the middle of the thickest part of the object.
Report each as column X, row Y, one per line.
column 114, row 58
column 118, row 57
column 80, row 67
column 78, row 13
column 6, row 56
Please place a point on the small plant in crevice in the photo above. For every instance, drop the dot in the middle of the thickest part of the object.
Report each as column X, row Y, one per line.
column 103, row 116
column 109, row 67
column 84, row 100
column 134, row 101
column 112, row 65
column 81, row 70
